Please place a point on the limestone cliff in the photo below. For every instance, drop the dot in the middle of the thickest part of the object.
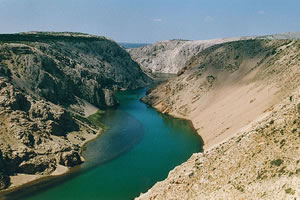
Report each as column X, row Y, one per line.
column 59, row 67
column 170, row 56
column 243, row 99
column 45, row 78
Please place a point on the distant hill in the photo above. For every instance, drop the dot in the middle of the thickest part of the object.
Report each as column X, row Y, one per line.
column 170, row 56
column 282, row 36
column 132, row 45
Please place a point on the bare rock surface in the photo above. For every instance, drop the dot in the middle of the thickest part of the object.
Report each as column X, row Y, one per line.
column 170, row 56
column 60, row 67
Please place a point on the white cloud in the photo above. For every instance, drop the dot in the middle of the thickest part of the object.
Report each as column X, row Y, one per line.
column 208, row 19
column 261, row 12
column 157, row 20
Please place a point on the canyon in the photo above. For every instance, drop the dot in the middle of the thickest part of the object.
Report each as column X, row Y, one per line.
column 242, row 96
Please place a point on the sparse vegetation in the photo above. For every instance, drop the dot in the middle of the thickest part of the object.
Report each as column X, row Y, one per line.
column 277, row 162
column 46, row 37
column 95, row 119
column 289, row 191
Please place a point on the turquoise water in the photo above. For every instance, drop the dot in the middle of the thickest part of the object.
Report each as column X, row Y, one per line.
column 139, row 149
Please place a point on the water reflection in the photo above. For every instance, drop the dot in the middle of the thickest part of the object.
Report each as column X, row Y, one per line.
column 124, row 132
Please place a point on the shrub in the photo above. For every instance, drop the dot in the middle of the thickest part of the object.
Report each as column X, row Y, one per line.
column 277, row 162
column 289, row 191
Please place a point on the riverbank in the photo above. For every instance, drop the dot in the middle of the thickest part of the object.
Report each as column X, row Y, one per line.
column 223, row 172
column 122, row 163
column 242, row 98
column 217, row 111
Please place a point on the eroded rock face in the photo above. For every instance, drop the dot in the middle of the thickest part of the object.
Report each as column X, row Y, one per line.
column 110, row 99
column 4, row 181
column 38, row 164
column 70, row 159
column 60, row 68
column 12, row 99
column 42, row 84
column 172, row 55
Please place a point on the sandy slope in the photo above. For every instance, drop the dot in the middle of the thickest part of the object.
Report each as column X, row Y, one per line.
column 223, row 96
column 260, row 162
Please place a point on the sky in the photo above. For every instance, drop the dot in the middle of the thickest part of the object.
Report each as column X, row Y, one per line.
column 147, row 21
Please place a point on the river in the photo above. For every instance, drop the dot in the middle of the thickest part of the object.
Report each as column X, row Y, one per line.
column 140, row 148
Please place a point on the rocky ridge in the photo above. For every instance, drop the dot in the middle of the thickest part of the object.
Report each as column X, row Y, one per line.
column 45, row 78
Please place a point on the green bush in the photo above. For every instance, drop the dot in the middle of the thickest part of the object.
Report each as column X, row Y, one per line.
column 277, row 162
column 95, row 119
column 289, row 191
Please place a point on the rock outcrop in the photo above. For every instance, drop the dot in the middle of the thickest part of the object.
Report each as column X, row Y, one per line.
column 170, row 56
column 243, row 99
column 44, row 78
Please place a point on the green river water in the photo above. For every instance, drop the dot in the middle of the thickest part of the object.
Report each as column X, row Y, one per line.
column 140, row 148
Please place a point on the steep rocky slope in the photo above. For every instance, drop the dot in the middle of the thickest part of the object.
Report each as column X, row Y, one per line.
column 59, row 67
column 170, row 56
column 260, row 162
column 229, row 92
column 45, row 81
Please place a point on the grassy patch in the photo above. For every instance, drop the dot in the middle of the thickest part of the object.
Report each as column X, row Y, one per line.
column 95, row 119
column 82, row 119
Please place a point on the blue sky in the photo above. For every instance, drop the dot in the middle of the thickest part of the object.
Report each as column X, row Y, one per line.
column 152, row 20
